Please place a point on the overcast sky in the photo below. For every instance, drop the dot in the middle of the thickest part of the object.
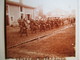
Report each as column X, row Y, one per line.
column 49, row 5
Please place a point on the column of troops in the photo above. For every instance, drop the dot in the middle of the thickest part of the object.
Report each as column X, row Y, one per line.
column 42, row 24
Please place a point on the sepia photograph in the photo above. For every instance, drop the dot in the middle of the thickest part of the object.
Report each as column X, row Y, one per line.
column 40, row 29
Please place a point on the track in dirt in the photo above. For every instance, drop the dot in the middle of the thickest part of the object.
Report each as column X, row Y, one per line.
column 42, row 37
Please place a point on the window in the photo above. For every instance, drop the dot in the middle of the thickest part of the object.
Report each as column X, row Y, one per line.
column 6, row 8
column 11, row 18
column 21, row 9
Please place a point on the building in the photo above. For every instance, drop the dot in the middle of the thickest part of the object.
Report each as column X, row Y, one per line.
column 16, row 10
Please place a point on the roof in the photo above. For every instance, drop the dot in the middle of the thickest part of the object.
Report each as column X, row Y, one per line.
column 18, row 4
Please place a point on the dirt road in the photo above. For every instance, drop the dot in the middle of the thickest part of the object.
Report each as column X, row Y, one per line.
column 58, row 42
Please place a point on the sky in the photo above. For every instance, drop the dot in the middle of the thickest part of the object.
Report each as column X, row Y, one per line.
column 49, row 5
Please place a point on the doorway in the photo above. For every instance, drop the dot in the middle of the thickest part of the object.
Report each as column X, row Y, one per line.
column 7, row 20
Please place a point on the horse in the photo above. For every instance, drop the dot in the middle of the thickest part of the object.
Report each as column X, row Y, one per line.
column 48, row 24
column 42, row 26
column 33, row 26
column 23, row 27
